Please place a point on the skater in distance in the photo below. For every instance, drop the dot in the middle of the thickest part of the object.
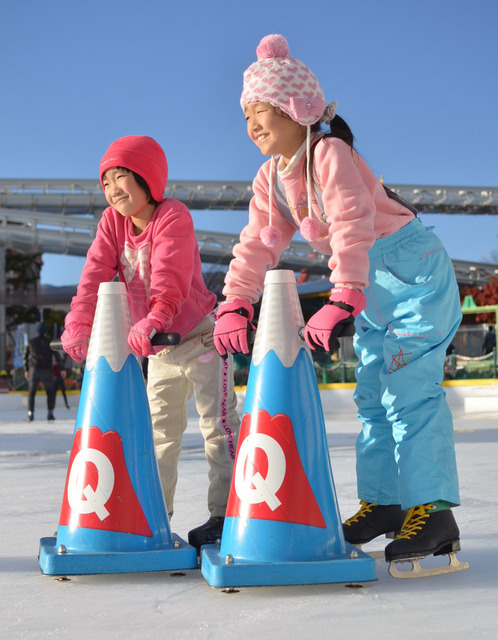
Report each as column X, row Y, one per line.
column 389, row 274
column 38, row 359
column 150, row 242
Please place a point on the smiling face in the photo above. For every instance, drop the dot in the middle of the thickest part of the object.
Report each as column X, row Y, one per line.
column 273, row 131
column 125, row 195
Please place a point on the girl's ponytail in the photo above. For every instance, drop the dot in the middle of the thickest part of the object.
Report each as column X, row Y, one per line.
column 339, row 128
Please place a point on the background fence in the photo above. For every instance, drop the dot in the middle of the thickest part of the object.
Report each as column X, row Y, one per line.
column 466, row 361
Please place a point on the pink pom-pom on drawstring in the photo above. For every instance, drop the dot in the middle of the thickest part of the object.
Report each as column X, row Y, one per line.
column 273, row 46
column 270, row 236
column 310, row 229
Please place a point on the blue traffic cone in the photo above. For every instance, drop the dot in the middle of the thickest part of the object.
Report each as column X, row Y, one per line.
column 113, row 517
column 282, row 523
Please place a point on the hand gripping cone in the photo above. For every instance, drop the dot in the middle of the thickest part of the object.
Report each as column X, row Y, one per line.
column 113, row 517
column 282, row 523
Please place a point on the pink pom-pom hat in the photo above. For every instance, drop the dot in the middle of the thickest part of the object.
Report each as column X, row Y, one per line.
column 284, row 82
column 289, row 84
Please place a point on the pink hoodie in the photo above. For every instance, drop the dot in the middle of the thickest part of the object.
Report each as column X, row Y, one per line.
column 357, row 212
column 161, row 268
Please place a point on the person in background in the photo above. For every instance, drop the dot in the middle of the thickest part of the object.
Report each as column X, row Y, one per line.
column 38, row 358
column 59, row 382
column 489, row 342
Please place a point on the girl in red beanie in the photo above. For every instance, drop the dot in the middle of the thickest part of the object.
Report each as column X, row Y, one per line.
column 150, row 242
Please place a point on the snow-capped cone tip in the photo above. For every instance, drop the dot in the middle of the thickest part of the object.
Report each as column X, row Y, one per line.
column 273, row 46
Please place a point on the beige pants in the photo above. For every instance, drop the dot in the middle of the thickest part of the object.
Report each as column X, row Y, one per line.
column 174, row 374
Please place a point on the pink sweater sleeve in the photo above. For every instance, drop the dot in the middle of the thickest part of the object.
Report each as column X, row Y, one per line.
column 350, row 211
column 174, row 262
column 101, row 265
column 252, row 259
column 177, row 288
column 357, row 209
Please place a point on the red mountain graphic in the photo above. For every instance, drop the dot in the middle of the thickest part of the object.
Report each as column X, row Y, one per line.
column 99, row 493
column 269, row 482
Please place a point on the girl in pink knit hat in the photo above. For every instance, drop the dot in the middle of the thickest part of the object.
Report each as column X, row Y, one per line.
column 389, row 275
column 150, row 242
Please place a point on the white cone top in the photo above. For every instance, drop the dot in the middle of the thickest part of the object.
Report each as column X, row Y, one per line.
column 111, row 326
column 280, row 319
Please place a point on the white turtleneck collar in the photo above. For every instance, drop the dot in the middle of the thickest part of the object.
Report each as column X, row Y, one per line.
column 293, row 161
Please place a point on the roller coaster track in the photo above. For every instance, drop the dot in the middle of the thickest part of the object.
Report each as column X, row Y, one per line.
column 61, row 217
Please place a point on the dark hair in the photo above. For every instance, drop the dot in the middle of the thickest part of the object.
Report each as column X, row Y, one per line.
column 339, row 128
column 141, row 183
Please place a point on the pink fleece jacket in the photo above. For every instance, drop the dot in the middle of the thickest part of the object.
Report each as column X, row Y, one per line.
column 161, row 268
column 357, row 212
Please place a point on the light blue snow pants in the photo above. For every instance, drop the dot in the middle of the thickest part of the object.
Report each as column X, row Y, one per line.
column 405, row 453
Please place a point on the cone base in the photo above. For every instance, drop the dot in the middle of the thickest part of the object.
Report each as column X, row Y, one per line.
column 180, row 556
column 214, row 568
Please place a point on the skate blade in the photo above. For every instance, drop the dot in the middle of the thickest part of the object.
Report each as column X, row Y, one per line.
column 417, row 571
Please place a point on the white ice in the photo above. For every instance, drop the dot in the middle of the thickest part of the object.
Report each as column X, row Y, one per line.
column 33, row 465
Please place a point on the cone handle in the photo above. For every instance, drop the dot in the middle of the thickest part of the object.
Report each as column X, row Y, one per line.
column 346, row 330
column 159, row 340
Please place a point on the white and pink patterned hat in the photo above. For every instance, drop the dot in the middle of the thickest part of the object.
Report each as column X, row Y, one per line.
column 283, row 82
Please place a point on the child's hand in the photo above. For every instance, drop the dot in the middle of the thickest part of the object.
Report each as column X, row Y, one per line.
column 141, row 334
column 233, row 327
column 75, row 339
column 327, row 324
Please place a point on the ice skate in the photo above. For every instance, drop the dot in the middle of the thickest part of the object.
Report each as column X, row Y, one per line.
column 208, row 533
column 371, row 521
column 31, row 416
column 50, row 416
column 425, row 532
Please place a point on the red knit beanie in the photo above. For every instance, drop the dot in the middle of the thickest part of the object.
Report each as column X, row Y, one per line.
column 140, row 154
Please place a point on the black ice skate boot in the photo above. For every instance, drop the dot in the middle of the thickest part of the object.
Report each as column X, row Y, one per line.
column 208, row 533
column 426, row 531
column 373, row 520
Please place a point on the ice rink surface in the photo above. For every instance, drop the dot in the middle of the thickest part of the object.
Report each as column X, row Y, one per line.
column 33, row 465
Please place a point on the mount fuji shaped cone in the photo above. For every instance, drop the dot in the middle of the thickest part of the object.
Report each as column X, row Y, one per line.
column 113, row 517
column 282, row 523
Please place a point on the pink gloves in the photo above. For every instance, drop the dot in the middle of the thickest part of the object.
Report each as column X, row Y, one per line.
column 233, row 327
column 75, row 339
column 142, row 332
column 327, row 324
column 77, row 334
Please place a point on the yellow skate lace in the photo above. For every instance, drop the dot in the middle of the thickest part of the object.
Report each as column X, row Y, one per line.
column 415, row 520
column 366, row 507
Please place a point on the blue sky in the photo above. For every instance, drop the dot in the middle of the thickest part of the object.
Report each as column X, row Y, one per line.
column 416, row 80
